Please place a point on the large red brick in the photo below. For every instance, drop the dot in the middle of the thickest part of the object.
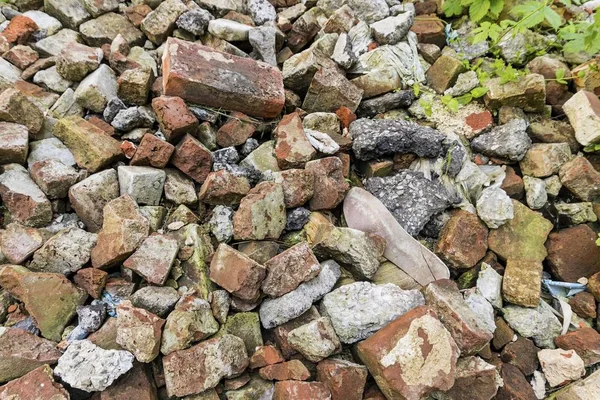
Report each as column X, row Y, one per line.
column 199, row 74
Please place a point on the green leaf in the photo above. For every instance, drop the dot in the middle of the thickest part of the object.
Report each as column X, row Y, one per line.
column 581, row 74
column 464, row 99
column 566, row 2
column 560, row 73
column 452, row 7
column 479, row 9
column 479, row 92
column 453, row 105
column 416, row 89
column 496, row 7
column 552, row 17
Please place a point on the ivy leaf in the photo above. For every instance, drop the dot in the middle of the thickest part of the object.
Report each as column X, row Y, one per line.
column 496, row 7
column 560, row 75
column 531, row 13
column 581, row 74
column 464, row 99
column 453, row 105
column 479, row 9
column 479, row 92
column 552, row 17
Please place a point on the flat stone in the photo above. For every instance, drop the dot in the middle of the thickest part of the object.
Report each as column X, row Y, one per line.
column 330, row 90
column 298, row 186
column 275, row 312
column 184, row 64
column 246, row 326
column 522, row 282
column 223, row 188
column 465, row 326
column 579, row 176
column 53, row 45
column 97, row 89
column 191, row 321
column 19, row 242
column 159, row 24
column 293, row 370
column 139, row 331
column 71, row 13
column 357, row 310
column 344, row 379
column 538, row 323
column 154, row 258
column 573, row 253
column 64, row 253
column 51, row 314
column 301, row 390
column 174, row 118
column 21, row 56
column 37, row 384
column 193, row 370
column 90, row 146
column 14, row 143
column 89, row 197
column 134, row 85
column 92, row 280
column 402, row 364
column 144, row 184
column 545, row 159
column 584, row 342
column 261, row 213
column 54, row 178
column 265, row 355
column 515, row 385
column 243, row 280
column 584, row 305
column 316, row 340
column 444, row 72
column 411, row 198
column 22, row 352
column 290, row 268
column 523, row 237
column 529, row 93
column 76, row 61
column 521, row 353
column 153, row 152
column 123, row 230
column 582, row 389
column 494, row 207
column 292, row 147
column 105, row 29
column 16, row 107
column 179, row 189
column 90, row 368
column 475, row 379
column 583, row 111
column 561, row 366
column 236, row 130
column 229, row 30
column 159, row 300
column 330, row 186
column 138, row 383
column 192, row 158
column 509, row 141
column 23, row 198
column 463, row 240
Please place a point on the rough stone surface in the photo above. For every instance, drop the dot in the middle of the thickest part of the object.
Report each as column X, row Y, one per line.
column 573, row 254
column 154, row 258
column 360, row 309
column 64, row 253
column 509, row 141
column 261, row 214
column 561, row 366
column 538, row 323
column 139, row 331
column 89, row 197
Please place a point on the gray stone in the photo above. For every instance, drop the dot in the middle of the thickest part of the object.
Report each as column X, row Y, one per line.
column 494, row 207
column 360, row 309
column 71, row 13
column 133, row 117
column 322, row 142
column 53, row 45
column 89, row 197
column 465, row 82
column 376, row 138
column 386, row 102
column 482, row 309
column 9, row 74
column 391, row 30
column 91, row 317
column 64, row 253
column 263, row 41
column 489, row 284
column 261, row 11
column 51, row 79
column 144, row 184
column 88, row 367
column 54, row 177
column 343, row 54
column 315, row 340
column 179, row 189
column 97, row 89
column 159, row 24
column 229, row 30
column 49, row 25
column 159, row 300
column 369, row 11
column 274, row 312
column 535, row 192
column 66, row 105
column 576, row 213
column 539, row 323
column 113, row 106
column 105, row 28
column 221, row 223
column 296, row 218
column 517, row 48
column 509, row 141
column 411, row 198
column 194, row 21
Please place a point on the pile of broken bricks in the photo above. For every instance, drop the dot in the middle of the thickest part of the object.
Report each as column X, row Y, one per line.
column 226, row 199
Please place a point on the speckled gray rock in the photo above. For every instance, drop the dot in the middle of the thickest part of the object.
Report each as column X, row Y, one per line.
column 343, row 53
column 494, row 207
column 49, row 148
column 482, row 308
column 465, row 82
column 411, row 198
column 261, row 11
column 88, row 367
column 71, row 13
column 263, row 41
column 379, row 137
column 51, row 79
column 97, row 89
column 92, row 316
column 539, row 323
column 221, row 223
column 144, row 184
column 386, row 102
column 369, row 11
column 179, row 189
column 133, row 117
column 159, row 300
column 509, row 141
column 64, row 253
column 194, row 21
column 489, row 284
column 296, row 218
column 113, row 107
column 360, row 309
column 391, row 30
column 89, row 197
column 315, row 340
column 274, row 312
column 535, row 192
